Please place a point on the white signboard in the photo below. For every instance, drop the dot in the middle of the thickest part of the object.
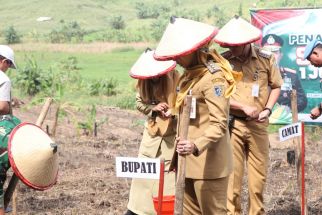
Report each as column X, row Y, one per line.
column 290, row 131
column 137, row 167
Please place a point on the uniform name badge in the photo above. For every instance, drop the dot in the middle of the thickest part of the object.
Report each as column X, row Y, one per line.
column 193, row 108
column 255, row 90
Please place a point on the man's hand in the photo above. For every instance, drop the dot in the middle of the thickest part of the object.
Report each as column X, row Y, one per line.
column 315, row 113
column 251, row 111
column 263, row 115
column 185, row 147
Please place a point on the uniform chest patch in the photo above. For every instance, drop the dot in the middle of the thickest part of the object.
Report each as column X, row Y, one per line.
column 218, row 90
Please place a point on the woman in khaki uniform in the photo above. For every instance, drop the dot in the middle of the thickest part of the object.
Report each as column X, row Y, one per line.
column 209, row 79
column 155, row 98
column 251, row 106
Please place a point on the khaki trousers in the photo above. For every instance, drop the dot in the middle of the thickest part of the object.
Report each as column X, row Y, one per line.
column 205, row 196
column 251, row 146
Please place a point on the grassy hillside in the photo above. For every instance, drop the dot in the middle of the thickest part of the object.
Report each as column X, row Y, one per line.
column 95, row 16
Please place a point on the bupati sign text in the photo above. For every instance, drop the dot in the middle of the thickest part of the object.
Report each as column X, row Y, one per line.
column 137, row 167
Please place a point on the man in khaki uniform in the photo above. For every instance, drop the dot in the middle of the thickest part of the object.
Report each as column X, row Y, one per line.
column 251, row 106
column 313, row 53
column 209, row 78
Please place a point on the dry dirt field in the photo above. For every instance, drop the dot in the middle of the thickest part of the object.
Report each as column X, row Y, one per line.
column 87, row 183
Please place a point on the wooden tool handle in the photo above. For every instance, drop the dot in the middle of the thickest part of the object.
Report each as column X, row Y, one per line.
column 181, row 168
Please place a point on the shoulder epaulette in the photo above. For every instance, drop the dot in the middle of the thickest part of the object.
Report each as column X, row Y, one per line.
column 227, row 54
column 212, row 67
column 264, row 53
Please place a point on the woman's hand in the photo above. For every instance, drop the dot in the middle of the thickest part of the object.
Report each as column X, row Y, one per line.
column 163, row 109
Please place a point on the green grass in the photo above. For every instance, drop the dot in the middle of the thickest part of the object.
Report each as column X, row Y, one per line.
column 115, row 64
column 109, row 65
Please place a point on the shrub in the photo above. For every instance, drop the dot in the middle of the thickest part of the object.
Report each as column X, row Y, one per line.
column 144, row 11
column 189, row 14
column 11, row 35
column 70, row 64
column 31, row 79
column 157, row 28
column 105, row 87
column 117, row 22
column 220, row 16
column 67, row 33
column 123, row 36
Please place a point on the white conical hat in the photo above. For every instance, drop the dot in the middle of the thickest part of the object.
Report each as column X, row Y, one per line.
column 147, row 67
column 182, row 37
column 33, row 156
column 237, row 32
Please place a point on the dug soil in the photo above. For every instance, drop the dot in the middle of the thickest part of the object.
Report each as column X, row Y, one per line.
column 87, row 183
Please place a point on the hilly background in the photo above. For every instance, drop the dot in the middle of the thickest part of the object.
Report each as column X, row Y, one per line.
column 97, row 41
column 142, row 19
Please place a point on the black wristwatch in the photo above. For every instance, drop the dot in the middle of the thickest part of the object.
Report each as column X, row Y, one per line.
column 270, row 110
column 320, row 107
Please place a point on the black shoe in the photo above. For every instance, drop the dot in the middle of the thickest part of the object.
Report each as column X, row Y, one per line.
column 128, row 212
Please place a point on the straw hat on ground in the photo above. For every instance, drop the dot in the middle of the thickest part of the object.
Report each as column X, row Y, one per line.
column 147, row 67
column 182, row 37
column 33, row 156
column 237, row 32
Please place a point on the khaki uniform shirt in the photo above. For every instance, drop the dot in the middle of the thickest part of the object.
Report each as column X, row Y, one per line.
column 261, row 70
column 209, row 130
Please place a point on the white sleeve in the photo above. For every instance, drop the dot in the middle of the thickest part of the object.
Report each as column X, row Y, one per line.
column 5, row 89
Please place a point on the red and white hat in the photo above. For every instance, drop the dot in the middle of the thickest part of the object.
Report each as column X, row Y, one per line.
column 147, row 67
column 33, row 156
column 237, row 32
column 182, row 37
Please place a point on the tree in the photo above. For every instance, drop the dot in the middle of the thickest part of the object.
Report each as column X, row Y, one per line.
column 11, row 35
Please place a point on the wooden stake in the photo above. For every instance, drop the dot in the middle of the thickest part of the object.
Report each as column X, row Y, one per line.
column 53, row 132
column 14, row 179
column 299, row 154
column 95, row 129
column 184, row 121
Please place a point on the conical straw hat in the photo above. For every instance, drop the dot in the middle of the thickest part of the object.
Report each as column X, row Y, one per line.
column 147, row 67
column 33, row 156
column 182, row 37
column 237, row 32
